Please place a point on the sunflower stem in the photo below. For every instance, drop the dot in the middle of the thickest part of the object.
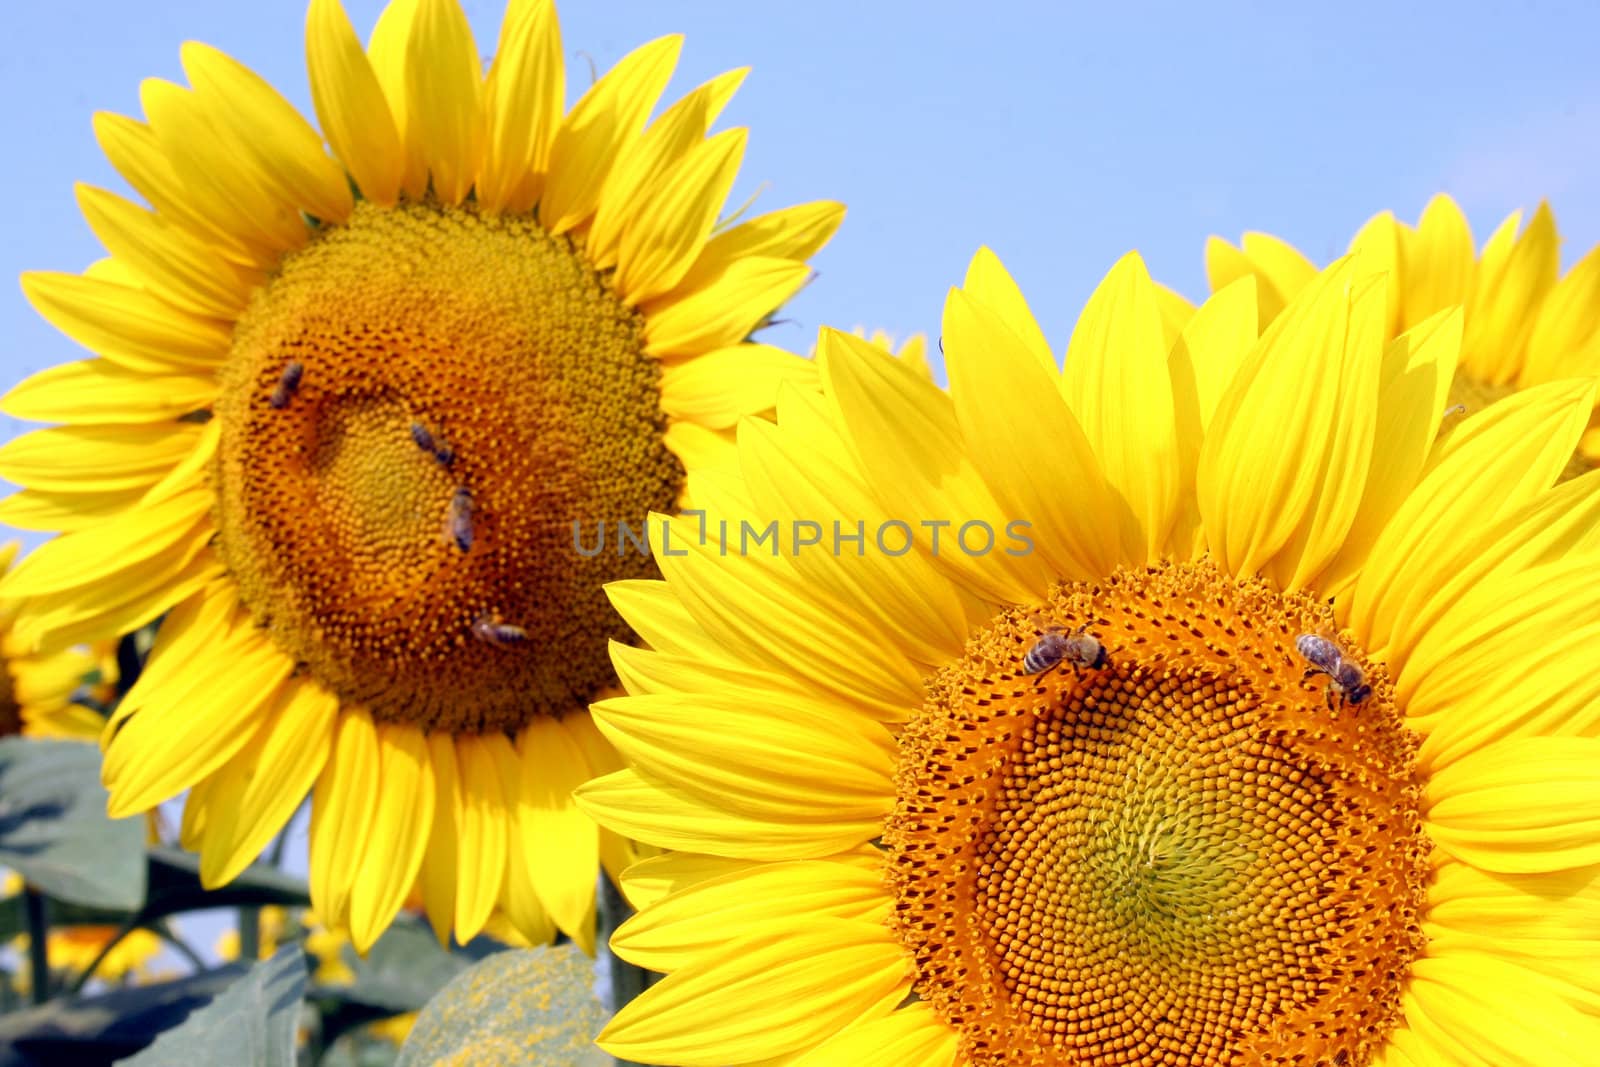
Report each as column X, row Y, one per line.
column 183, row 947
column 134, row 922
column 626, row 980
column 38, row 944
column 249, row 933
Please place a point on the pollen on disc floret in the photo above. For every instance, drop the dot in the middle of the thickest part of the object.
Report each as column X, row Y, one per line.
column 1190, row 855
column 467, row 387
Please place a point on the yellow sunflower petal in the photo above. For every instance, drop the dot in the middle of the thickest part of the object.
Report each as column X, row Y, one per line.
column 519, row 902
column 989, row 283
column 1474, row 1008
column 627, row 197
column 590, row 138
column 126, row 325
column 65, row 511
column 402, row 819
column 286, row 150
column 1523, row 805
column 276, row 769
column 1491, row 464
column 1380, row 241
column 1308, row 392
column 560, row 844
column 726, row 310
column 1283, row 267
column 220, row 180
column 177, row 267
column 1552, row 904
column 350, row 104
column 912, row 1034
column 98, row 391
column 722, row 386
column 794, row 233
column 755, row 607
column 388, row 50
column 1115, row 381
column 132, row 148
column 191, row 726
column 1008, row 412
column 102, row 457
column 1565, row 340
column 813, row 759
column 908, row 444
column 437, row 877
column 1438, row 259
column 676, row 215
column 1414, row 376
column 1176, row 311
column 1200, row 365
column 696, row 920
column 653, row 879
column 342, row 814
column 444, row 115
column 791, row 475
column 1508, row 613
column 1226, row 265
column 483, row 839
column 524, row 96
column 648, row 809
column 793, row 992
column 1512, row 277
column 100, row 552
column 193, row 623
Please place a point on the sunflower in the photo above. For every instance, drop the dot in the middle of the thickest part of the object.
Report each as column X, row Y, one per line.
column 1525, row 323
column 70, row 949
column 38, row 693
column 346, row 417
column 1026, row 761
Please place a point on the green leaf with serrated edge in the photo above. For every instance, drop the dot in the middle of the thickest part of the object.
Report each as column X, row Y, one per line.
column 54, row 830
column 252, row 1024
column 523, row 1006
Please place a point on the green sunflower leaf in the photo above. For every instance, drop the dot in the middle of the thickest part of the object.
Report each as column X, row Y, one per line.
column 254, row 1020
column 526, row 1006
column 106, row 1026
column 54, row 830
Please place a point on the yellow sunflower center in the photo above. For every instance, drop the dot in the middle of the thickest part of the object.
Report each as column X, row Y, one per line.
column 1192, row 853
column 418, row 408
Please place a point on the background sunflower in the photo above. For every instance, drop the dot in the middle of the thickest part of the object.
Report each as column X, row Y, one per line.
column 345, row 416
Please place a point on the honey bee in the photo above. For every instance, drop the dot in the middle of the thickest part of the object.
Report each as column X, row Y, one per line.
column 499, row 634
column 458, row 524
column 1345, row 680
column 432, row 445
column 288, row 382
column 1057, row 645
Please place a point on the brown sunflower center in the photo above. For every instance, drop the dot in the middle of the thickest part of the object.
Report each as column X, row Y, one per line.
column 417, row 410
column 1190, row 854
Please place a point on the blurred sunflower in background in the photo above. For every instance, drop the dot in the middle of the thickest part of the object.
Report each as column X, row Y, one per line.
column 1071, row 791
column 344, row 414
column 72, row 949
column 37, row 691
column 1525, row 323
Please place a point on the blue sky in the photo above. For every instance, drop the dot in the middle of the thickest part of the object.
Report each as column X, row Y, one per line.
column 1061, row 135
